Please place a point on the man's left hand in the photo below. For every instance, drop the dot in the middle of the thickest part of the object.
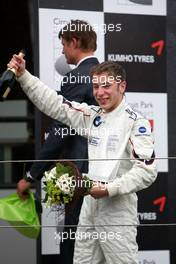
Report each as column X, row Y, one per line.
column 99, row 190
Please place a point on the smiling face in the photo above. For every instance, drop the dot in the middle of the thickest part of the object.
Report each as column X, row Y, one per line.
column 108, row 91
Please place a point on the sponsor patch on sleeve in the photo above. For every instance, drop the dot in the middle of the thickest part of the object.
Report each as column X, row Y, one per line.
column 142, row 130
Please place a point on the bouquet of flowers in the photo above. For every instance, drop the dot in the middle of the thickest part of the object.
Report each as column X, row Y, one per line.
column 64, row 184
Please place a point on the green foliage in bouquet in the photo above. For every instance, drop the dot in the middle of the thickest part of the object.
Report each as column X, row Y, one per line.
column 62, row 169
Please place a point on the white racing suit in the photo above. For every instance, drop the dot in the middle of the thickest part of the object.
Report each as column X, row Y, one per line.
column 121, row 155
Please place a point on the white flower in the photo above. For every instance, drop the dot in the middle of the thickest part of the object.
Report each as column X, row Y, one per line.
column 49, row 175
column 53, row 170
column 72, row 183
column 66, row 189
column 64, row 176
column 63, row 180
column 65, row 183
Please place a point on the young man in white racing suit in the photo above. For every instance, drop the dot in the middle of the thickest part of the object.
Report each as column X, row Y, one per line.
column 121, row 154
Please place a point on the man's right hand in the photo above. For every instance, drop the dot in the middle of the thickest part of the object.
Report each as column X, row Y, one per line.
column 18, row 63
column 22, row 188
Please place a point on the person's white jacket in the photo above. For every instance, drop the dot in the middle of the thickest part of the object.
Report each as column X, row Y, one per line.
column 120, row 146
column 114, row 139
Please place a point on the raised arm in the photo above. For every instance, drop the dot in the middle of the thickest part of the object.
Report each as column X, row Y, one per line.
column 48, row 101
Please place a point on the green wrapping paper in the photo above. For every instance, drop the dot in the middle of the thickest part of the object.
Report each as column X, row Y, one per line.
column 21, row 214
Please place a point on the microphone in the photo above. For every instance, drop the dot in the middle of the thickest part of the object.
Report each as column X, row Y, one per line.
column 7, row 80
column 61, row 65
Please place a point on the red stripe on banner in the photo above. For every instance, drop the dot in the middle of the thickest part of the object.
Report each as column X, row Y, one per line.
column 159, row 45
column 161, row 202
